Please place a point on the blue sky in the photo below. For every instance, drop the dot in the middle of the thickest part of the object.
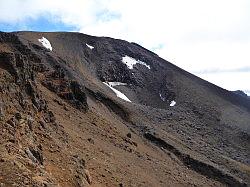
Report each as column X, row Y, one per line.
column 209, row 38
column 40, row 24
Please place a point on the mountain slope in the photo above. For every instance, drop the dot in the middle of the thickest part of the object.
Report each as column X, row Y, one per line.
column 60, row 124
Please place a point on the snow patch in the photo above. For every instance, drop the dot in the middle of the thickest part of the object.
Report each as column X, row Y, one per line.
column 117, row 84
column 172, row 103
column 89, row 46
column 162, row 98
column 117, row 92
column 130, row 62
column 45, row 42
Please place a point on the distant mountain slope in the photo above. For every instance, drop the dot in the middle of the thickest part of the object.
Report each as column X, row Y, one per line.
column 78, row 110
column 240, row 92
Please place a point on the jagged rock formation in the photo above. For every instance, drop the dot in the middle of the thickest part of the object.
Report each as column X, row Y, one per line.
column 61, row 126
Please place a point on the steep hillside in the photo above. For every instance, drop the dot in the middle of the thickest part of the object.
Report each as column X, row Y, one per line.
column 78, row 110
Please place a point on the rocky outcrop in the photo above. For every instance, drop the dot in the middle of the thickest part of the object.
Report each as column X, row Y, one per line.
column 69, row 90
column 35, row 154
column 25, row 65
column 17, row 65
column 82, row 175
column 204, row 168
column 22, row 106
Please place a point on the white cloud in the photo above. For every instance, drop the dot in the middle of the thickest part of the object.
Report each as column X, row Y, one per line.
column 231, row 81
column 75, row 12
column 197, row 35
